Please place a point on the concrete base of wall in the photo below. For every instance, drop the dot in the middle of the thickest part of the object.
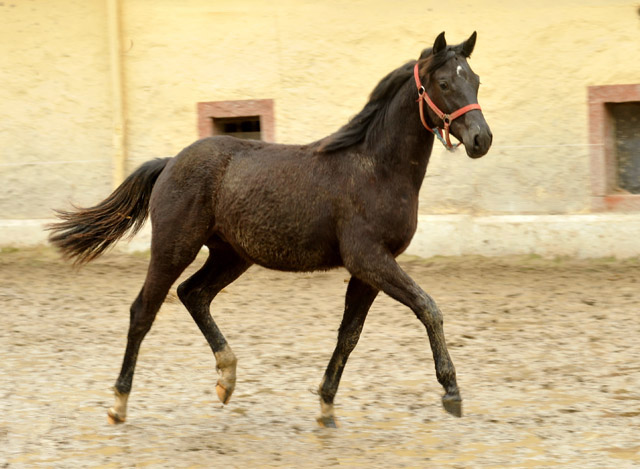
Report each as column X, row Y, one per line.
column 581, row 236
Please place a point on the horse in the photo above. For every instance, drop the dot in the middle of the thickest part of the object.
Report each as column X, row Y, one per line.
column 348, row 200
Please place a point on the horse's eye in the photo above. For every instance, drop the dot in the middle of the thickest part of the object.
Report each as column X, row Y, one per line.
column 444, row 86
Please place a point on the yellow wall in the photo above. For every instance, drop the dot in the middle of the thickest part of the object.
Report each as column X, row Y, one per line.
column 318, row 60
column 54, row 106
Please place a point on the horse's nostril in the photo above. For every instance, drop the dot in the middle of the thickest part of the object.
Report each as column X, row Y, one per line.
column 481, row 141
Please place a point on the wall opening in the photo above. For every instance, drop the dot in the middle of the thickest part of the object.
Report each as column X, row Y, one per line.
column 247, row 127
column 614, row 137
column 626, row 144
column 248, row 119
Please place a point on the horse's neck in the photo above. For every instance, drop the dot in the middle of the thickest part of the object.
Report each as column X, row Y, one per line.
column 406, row 144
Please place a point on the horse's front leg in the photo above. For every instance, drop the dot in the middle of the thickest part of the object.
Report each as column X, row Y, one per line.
column 375, row 265
column 358, row 300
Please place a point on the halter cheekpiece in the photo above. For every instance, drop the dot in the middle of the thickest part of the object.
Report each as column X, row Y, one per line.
column 423, row 97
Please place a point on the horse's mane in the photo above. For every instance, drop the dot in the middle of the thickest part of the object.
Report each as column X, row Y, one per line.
column 364, row 125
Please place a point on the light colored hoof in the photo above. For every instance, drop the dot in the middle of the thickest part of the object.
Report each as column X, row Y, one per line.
column 328, row 422
column 226, row 365
column 118, row 413
column 223, row 393
column 113, row 418
column 327, row 418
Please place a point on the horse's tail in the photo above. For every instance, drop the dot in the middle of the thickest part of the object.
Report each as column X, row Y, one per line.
column 85, row 233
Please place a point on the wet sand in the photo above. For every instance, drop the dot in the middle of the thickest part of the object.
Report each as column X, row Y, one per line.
column 547, row 355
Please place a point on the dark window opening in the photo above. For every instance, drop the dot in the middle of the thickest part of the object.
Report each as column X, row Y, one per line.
column 247, row 127
column 614, row 138
column 626, row 135
column 250, row 118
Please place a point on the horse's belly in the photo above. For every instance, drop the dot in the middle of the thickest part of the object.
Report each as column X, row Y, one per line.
column 284, row 242
column 283, row 251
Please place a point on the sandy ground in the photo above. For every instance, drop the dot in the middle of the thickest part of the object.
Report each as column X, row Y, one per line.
column 547, row 354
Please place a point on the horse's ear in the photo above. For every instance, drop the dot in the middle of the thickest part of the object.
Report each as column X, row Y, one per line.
column 440, row 43
column 469, row 44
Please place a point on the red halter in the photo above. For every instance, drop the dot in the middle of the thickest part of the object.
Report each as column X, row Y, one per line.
column 446, row 118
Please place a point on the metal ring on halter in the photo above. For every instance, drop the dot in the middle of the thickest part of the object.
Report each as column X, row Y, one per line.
column 421, row 91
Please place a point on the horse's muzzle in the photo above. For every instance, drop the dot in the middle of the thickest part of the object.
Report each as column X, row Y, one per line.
column 478, row 143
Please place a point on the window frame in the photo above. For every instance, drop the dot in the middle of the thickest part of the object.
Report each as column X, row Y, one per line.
column 605, row 193
column 263, row 108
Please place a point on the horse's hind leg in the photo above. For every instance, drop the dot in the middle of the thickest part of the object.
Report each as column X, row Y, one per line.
column 221, row 268
column 358, row 300
column 165, row 267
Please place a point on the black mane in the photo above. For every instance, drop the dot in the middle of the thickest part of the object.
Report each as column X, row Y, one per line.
column 363, row 125
column 357, row 129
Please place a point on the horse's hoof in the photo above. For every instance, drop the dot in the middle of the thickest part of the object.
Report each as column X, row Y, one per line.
column 327, row 422
column 113, row 418
column 452, row 404
column 223, row 393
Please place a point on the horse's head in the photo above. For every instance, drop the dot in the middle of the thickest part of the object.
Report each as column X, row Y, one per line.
column 449, row 88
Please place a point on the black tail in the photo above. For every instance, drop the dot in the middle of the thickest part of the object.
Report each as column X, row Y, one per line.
column 85, row 233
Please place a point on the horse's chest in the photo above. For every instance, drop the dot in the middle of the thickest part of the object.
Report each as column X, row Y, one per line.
column 396, row 221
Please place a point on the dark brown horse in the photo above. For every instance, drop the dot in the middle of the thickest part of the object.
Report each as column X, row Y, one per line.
column 350, row 199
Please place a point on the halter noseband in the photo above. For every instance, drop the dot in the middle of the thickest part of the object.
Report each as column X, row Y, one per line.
column 446, row 118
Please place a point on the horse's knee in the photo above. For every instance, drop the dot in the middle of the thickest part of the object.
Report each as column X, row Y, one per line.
column 429, row 313
column 138, row 329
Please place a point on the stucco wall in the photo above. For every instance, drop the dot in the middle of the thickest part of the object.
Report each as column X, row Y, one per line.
column 318, row 60
column 55, row 119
